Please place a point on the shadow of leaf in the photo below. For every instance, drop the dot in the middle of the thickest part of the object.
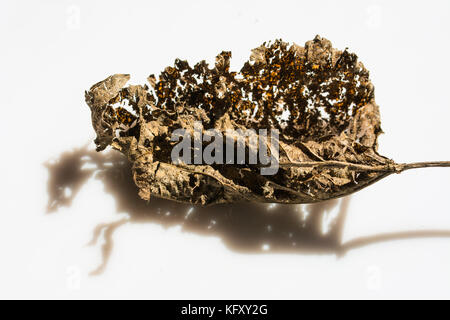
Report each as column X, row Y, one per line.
column 243, row 227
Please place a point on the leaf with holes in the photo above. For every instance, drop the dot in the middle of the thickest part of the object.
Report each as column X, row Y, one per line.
column 318, row 99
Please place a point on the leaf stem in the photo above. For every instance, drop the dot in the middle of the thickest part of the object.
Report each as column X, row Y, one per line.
column 417, row 165
column 390, row 167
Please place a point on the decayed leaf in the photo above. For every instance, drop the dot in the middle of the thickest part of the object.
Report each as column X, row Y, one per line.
column 319, row 98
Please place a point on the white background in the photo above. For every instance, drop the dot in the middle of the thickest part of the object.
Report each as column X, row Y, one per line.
column 51, row 51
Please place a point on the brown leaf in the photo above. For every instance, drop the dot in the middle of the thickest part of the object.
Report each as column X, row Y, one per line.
column 319, row 99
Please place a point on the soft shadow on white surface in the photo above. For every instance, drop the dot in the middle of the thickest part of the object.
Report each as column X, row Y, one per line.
column 245, row 227
column 54, row 50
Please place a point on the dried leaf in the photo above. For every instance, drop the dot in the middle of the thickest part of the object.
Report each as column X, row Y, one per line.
column 318, row 98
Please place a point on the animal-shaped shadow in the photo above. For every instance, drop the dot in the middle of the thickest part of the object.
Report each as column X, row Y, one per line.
column 243, row 227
